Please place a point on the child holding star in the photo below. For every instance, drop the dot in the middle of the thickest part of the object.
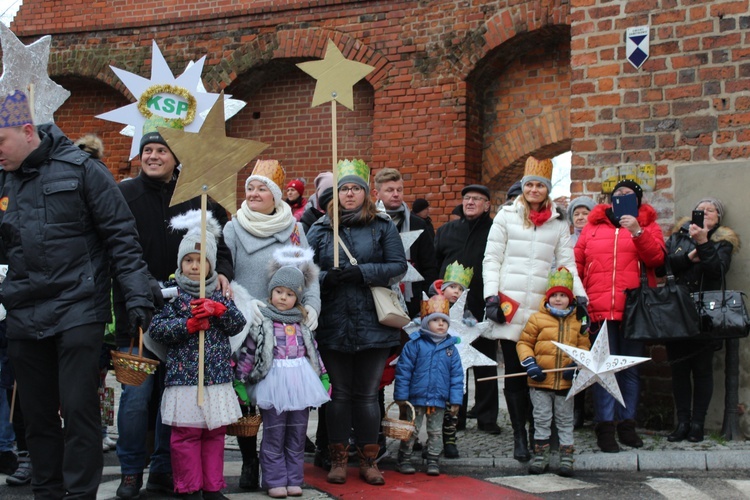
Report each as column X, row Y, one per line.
column 556, row 321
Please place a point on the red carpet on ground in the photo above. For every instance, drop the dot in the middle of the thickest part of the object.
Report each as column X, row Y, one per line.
column 399, row 485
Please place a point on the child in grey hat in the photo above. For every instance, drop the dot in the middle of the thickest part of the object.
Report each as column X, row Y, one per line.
column 280, row 363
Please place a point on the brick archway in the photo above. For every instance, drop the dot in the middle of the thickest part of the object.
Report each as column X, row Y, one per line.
column 496, row 152
column 296, row 45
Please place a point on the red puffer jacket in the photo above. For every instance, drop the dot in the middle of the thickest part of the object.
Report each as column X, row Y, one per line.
column 608, row 260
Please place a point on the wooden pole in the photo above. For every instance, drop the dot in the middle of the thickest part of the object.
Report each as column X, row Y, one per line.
column 523, row 374
column 13, row 401
column 202, row 334
column 335, row 170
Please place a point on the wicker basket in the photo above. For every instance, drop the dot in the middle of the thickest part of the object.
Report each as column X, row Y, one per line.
column 131, row 369
column 247, row 426
column 398, row 429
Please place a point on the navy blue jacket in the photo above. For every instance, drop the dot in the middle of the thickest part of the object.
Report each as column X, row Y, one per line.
column 348, row 321
column 429, row 374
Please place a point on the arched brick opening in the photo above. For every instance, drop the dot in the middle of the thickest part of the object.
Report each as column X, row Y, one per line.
column 521, row 103
column 278, row 112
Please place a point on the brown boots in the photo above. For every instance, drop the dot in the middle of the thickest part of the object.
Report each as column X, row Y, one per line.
column 339, row 455
column 368, row 467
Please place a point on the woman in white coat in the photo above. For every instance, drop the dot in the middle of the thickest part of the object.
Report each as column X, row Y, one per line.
column 527, row 237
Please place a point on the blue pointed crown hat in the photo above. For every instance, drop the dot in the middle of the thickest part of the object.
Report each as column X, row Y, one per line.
column 15, row 110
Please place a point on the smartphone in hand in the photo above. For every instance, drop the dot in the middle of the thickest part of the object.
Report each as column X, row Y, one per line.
column 626, row 204
column 698, row 217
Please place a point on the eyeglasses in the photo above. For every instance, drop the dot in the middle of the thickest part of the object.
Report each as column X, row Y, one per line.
column 475, row 199
column 353, row 189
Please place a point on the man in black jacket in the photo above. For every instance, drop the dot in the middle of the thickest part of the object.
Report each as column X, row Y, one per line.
column 63, row 226
column 148, row 196
column 464, row 240
column 389, row 189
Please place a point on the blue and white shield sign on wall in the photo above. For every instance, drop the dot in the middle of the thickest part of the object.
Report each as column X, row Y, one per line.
column 636, row 45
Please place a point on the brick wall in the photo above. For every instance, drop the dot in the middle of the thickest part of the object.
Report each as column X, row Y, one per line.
column 687, row 103
column 429, row 92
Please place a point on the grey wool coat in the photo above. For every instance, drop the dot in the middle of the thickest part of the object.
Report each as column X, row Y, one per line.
column 252, row 256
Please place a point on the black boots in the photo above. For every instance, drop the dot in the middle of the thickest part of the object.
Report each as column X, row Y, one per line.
column 250, row 474
column 627, row 435
column 518, row 411
column 695, row 435
column 680, row 432
column 605, row 437
column 450, row 421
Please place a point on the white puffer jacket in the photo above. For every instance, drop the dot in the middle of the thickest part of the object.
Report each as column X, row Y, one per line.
column 518, row 260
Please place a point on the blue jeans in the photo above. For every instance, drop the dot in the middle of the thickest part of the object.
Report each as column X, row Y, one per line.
column 606, row 407
column 7, row 436
column 132, row 424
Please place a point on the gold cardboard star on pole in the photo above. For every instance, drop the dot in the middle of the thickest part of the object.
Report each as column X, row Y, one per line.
column 210, row 159
column 336, row 76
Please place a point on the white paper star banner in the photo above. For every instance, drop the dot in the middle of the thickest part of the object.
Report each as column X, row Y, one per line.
column 637, row 42
column 231, row 107
column 467, row 334
column 172, row 99
column 24, row 68
column 599, row 366
column 407, row 239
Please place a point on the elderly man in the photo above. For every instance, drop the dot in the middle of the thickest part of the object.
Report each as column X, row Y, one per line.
column 63, row 226
column 464, row 240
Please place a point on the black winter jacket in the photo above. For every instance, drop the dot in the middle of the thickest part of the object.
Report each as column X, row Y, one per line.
column 148, row 200
column 422, row 257
column 348, row 320
column 715, row 257
column 63, row 223
column 464, row 241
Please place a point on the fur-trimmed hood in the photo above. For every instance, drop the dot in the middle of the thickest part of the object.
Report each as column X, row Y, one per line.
column 722, row 233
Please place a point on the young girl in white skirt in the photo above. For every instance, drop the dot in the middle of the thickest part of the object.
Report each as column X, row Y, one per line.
column 197, row 442
column 280, row 363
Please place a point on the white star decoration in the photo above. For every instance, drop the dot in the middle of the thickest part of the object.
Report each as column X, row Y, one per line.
column 160, row 75
column 231, row 107
column 467, row 334
column 408, row 238
column 599, row 366
column 24, row 65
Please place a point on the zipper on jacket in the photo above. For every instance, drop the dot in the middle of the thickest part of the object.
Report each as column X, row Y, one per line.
column 614, row 272
column 558, row 360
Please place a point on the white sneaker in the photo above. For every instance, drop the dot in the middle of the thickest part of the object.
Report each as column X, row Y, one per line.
column 108, row 443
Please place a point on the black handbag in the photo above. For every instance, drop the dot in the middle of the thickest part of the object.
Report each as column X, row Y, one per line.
column 661, row 314
column 722, row 313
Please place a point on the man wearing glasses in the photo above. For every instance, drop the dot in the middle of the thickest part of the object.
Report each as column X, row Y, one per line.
column 464, row 240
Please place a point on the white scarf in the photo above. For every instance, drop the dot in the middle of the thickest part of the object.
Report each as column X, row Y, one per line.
column 262, row 225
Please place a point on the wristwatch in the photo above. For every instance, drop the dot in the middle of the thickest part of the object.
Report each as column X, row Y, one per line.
column 638, row 233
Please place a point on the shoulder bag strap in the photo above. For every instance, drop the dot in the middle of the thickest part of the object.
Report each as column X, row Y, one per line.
column 352, row 260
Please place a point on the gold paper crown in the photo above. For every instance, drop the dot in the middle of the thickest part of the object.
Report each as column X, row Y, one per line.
column 271, row 169
column 456, row 273
column 436, row 304
column 561, row 277
column 538, row 168
column 15, row 111
column 353, row 167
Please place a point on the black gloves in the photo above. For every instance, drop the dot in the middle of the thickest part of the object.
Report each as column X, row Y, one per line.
column 156, row 292
column 352, row 274
column 332, row 278
column 139, row 317
column 582, row 313
column 492, row 309
column 533, row 370
column 569, row 374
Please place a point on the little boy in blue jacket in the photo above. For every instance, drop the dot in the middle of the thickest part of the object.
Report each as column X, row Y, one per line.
column 429, row 375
